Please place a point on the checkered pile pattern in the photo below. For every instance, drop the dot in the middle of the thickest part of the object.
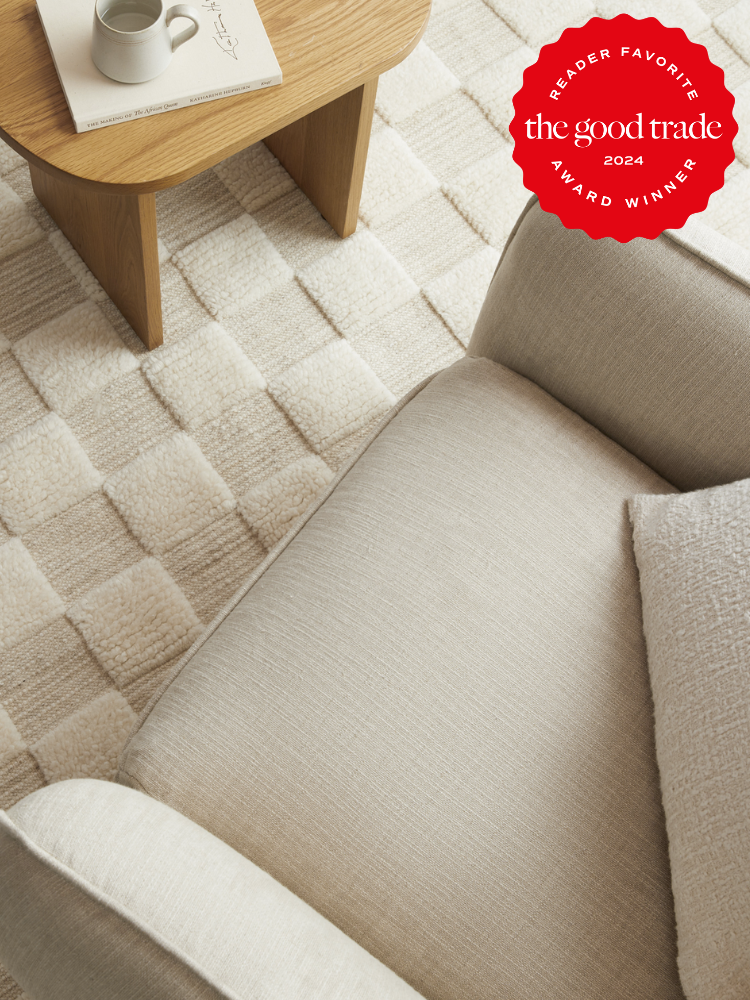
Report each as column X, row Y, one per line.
column 138, row 490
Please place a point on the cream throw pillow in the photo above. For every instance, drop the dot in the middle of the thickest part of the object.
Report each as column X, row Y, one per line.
column 693, row 554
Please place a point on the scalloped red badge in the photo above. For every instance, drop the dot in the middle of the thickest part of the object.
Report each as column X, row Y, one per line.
column 623, row 128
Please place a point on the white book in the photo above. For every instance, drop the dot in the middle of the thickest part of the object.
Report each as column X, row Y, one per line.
column 230, row 54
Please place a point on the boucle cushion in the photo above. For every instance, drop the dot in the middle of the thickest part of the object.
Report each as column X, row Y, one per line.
column 693, row 553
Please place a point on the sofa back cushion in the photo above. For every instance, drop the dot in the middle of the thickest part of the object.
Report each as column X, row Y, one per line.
column 649, row 340
column 430, row 716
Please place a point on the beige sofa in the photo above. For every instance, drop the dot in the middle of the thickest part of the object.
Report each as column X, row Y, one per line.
column 416, row 753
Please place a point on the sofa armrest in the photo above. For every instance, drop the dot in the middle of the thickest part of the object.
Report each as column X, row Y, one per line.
column 648, row 340
column 105, row 892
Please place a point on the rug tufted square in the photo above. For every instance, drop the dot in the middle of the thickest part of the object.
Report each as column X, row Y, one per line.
column 72, row 568
column 233, row 266
column 87, row 743
column 43, row 471
column 202, row 375
column 68, row 255
column 28, row 601
column 272, row 508
column 297, row 229
column 715, row 7
column 72, row 356
column 410, row 238
column 124, row 330
column 394, row 179
column 331, row 394
column 734, row 27
column 120, row 421
column 251, row 442
column 736, row 72
column 538, row 21
column 459, row 293
column 733, row 170
column 468, row 36
column 20, row 403
column 255, row 177
column 494, row 87
column 199, row 206
column 18, row 228
column 48, row 677
column 414, row 84
column 135, row 621
column 491, row 208
column 169, row 493
column 357, row 283
column 685, row 14
column 35, row 286
column 407, row 346
column 182, row 310
column 289, row 315
column 212, row 565
column 451, row 135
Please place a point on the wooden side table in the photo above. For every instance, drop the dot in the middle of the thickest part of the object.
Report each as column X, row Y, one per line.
column 99, row 186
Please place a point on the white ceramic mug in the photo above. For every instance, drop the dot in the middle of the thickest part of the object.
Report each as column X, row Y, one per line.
column 131, row 41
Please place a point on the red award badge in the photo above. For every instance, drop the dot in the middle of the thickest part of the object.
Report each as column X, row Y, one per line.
column 623, row 128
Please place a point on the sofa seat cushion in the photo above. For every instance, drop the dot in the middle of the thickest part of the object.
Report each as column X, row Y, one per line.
column 106, row 894
column 430, row 717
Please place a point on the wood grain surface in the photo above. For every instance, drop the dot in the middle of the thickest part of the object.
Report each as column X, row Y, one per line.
column 116, row 235
column 326, row 151
column 326, row 48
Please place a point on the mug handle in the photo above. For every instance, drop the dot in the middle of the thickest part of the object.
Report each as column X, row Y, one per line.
column 183, row 10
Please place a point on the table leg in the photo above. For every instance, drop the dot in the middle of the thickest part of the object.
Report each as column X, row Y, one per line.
column 116, row 235
column 325, row 152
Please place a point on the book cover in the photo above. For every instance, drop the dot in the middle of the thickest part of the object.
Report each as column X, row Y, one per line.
column 231, row 54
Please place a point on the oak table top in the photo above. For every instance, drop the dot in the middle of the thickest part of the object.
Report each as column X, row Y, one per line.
column 325, row 48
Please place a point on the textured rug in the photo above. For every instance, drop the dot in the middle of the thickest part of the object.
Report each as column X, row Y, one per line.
column 138, row 490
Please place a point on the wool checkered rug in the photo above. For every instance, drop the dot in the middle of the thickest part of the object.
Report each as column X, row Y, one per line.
column 138, row 490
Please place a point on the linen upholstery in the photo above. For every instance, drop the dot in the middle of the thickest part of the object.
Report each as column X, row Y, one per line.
column 155, row 907
column 714, row 248
column 430, row 716
column 693, row 553
column 646, row 340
